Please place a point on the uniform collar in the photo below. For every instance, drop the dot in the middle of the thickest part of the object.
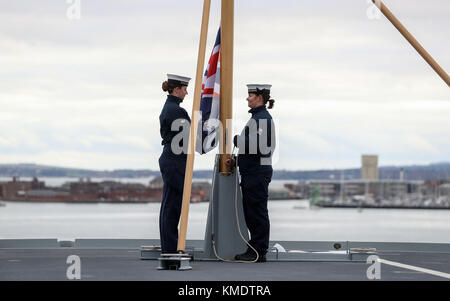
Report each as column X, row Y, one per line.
column 174, row 99
column 257, row 109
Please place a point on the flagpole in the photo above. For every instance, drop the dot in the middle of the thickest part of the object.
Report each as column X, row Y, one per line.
column 409, row 37
column 194, row 124
column 226, row 82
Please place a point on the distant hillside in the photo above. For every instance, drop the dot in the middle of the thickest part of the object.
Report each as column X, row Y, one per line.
column 34, row 170
column 435, row 171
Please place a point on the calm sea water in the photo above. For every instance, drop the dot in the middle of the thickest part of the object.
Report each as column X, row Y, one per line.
column 290, row 220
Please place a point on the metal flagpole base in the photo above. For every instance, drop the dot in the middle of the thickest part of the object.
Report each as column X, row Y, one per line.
column 178, row 262
column 226, row 222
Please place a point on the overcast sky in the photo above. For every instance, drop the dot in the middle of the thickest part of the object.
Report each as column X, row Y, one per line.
column 87, row 92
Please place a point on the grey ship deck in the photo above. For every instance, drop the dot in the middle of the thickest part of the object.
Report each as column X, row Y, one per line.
column 121, row 260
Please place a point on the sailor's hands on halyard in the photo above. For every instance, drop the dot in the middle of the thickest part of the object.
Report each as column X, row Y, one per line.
column 231, row 162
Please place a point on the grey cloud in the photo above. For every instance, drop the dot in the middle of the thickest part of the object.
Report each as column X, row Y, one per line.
column 88, row 92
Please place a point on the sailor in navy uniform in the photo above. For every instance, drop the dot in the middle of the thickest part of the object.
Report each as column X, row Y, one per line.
column 256, row 145
column 172, row 162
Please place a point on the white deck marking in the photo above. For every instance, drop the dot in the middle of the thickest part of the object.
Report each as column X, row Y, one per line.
column 414, row 268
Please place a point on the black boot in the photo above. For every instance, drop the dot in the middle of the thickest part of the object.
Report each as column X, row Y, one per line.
column 250, row 255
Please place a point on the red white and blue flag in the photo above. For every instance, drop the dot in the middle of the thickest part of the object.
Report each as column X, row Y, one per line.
column 210, row 102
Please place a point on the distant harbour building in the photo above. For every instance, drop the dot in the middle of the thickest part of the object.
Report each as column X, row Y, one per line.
column 444, row 189
column 369, row 189
column 281, row 193
column 369, row 169
column 156, row 183
column 200, row 192
column 16, row 187
column 375, row 191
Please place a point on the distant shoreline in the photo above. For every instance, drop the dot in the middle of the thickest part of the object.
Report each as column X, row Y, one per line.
column 114, row 202
column 435, row 171
column 342, row 206
column 77, row 202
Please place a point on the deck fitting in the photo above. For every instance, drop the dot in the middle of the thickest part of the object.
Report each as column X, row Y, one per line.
column 178, row 262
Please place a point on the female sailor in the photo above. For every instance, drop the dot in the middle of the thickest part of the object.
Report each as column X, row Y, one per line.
column 256, row 145
column 174, row 125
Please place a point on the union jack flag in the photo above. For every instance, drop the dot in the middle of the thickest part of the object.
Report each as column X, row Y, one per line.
column 210, row 102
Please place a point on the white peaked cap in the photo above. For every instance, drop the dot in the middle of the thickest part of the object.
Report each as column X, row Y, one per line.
column 252, row 88
column 177, row 79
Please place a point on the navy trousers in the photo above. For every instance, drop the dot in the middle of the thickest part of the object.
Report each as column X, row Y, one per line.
column 255, row 192
column 172, row 172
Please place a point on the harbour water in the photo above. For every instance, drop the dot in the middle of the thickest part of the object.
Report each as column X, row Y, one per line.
column 290, row 220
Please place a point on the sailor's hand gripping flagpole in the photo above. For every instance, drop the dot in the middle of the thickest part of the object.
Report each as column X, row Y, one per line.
column 195, row 109
column 408, row 36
